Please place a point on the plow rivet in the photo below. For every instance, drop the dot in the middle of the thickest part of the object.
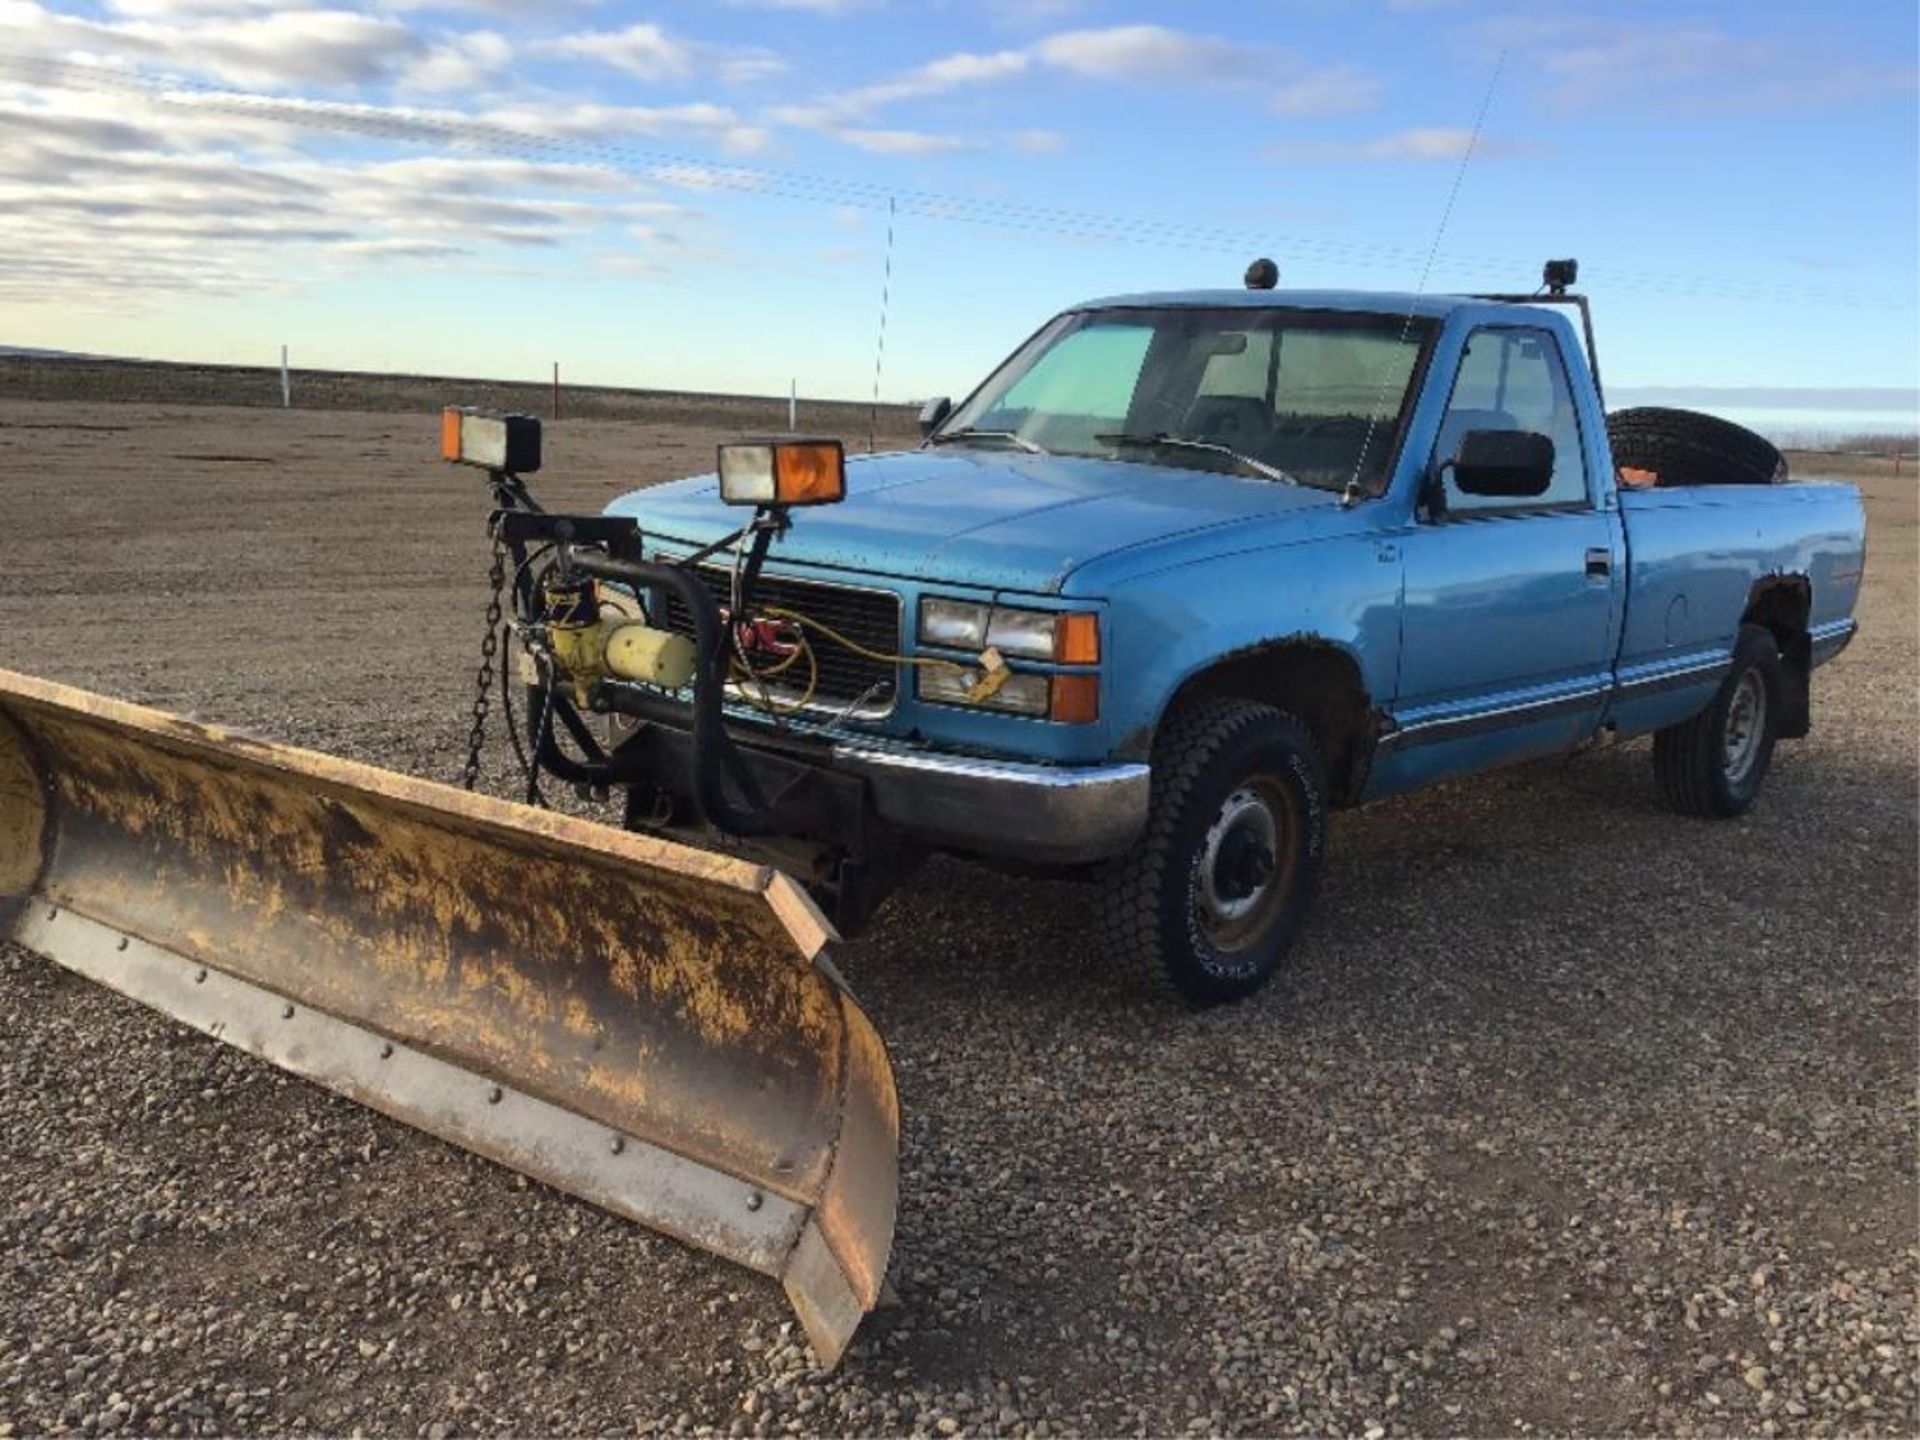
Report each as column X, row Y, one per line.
column 123, row 943
column 493, row 1095
column 286, row 1012
column 386, row 1051
column 199, row 977
column 616, row 1144
column 53, row 912
column 755, row 1200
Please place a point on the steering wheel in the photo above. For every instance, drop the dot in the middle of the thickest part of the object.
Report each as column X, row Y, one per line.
column 1239, row 422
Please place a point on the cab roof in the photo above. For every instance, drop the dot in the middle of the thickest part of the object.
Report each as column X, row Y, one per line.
column 1377, row 302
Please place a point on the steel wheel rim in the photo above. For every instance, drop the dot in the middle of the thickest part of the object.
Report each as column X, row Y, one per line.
column 1245, row 870
column 1746, row 723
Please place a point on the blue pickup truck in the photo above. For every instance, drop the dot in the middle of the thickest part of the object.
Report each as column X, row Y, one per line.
column 1188, row 571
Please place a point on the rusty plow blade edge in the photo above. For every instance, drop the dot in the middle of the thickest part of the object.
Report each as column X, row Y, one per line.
column 652, row 1027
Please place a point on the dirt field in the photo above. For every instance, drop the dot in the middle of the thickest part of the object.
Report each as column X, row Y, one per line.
column 1570, row 1115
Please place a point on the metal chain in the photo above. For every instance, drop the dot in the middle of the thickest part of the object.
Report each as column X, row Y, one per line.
column 483, row 679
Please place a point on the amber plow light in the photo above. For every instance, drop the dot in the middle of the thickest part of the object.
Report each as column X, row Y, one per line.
column 783, row 472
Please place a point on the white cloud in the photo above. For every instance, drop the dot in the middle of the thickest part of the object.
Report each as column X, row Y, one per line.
column 936, row 77
column 1032, row 14
column 817, row 7
column 643, row 50
column 1140, row 54
column 1157, row 54
column 189, row 9
column 1416, row 143
column 707, row 177
column 1591, row 61
column 213, row 194
column 1325, row 92
column 460, row 64
column 1038, row 142
column 902, row 142
column 394, row 247
column 270, row 48
column 646, row 51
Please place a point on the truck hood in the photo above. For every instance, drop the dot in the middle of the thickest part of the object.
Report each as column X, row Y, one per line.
column 1005, row 521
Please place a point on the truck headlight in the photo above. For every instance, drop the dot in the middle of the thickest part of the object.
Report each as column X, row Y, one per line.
column 1069, row 699
column 1068, row 638
column 955, row 624
column 1021, row 694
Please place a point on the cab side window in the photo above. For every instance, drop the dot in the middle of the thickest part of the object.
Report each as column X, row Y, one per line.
column 1513, row 379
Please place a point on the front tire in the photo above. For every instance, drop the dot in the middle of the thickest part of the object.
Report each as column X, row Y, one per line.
column 1209, row 900
column 1712, row 766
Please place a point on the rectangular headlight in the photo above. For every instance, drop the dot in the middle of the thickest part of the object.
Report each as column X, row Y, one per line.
column 1018, row 694
column 956, row 624
column 1069, row 638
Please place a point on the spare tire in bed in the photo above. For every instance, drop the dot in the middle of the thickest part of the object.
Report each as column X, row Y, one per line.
column 1684, row 447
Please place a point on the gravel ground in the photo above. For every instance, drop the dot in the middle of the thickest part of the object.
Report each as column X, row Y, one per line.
column 1570, row 1115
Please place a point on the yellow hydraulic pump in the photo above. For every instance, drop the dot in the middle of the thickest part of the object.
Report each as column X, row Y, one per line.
column 593, row 636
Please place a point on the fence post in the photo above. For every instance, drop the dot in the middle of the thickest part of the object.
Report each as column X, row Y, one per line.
column 286, row 382
column 793, row 406
column 556, row 389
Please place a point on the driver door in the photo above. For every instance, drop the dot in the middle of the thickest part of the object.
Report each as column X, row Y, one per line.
column 1511, row 608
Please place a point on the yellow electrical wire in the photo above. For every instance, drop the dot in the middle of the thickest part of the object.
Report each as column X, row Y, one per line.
column 743, row 671
column 834, row 635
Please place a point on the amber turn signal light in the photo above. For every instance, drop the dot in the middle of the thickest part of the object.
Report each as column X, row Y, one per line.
column 1075, row 699
column 1076, row 640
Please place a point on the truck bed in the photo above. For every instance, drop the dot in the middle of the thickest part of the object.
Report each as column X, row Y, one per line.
column 1695, row 555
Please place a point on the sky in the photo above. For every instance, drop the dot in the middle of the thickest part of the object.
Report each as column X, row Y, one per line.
column 700, row 195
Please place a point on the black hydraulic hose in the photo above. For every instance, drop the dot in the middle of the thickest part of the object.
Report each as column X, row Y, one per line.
column 712, row 747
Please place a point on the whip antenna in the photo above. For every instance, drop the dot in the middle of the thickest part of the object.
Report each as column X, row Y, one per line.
column 1351, row 493
column 880, row 343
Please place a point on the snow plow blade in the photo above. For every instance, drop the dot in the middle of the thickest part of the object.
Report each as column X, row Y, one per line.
column 651, row 1027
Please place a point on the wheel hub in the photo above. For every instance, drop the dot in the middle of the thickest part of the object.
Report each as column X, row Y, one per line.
column 1243, row 865
column 1746, row 723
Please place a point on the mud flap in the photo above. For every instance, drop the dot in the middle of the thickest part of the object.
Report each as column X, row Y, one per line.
column 654, row 1028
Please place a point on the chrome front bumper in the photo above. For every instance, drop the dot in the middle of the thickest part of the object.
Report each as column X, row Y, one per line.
column 1050, row 814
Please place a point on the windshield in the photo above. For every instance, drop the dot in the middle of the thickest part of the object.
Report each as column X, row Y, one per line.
column 1311, row 396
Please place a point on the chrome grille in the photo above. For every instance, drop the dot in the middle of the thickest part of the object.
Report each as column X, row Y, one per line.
column 868, row 617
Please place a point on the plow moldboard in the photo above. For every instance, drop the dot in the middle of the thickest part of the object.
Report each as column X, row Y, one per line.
column 652, row 1027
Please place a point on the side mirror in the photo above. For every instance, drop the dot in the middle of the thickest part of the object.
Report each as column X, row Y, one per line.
column 934, row 413
column 1513, row 464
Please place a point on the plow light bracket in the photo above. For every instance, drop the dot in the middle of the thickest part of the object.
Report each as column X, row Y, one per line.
column 780, row 473
column 508, row 444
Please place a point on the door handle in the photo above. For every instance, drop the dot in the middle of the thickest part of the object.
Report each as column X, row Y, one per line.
column 1599, row 562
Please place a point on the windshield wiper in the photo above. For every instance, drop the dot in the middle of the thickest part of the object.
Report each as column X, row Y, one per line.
column 972, row 433
column 1162, row 440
